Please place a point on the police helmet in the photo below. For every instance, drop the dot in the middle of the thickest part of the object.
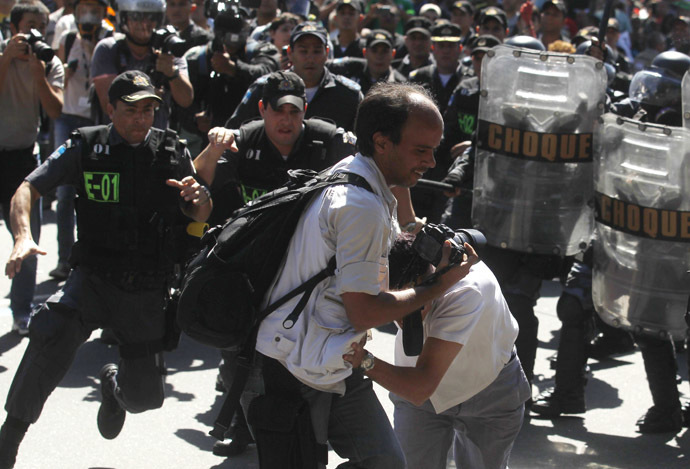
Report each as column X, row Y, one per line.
column 525, row 42
column 89, row 24
column 672, row 63
column 126, row 8
column 658, row 90
column 609, row 66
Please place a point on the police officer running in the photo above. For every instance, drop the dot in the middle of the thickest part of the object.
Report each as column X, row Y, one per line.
column 132, row 181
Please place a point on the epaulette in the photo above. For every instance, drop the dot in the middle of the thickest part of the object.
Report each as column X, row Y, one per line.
column 347, row 82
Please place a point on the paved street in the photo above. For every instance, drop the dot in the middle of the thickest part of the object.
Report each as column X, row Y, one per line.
column 176, row 436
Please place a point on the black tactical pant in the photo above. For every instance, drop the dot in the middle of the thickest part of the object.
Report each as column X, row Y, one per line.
column 65, row 322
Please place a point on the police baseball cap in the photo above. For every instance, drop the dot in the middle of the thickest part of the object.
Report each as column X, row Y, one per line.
column 132, row 86
column 465, row 6
column 483, row 43
column 379, row 36
column 613, row 24
column 284, row 87
column 446, row 32
column 418, row 24
column 493, row 13
column 356, row 4
column 557, row 4
column 308, row 28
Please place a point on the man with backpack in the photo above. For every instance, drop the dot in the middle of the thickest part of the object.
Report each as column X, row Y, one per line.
column 134, row 184
column 398, row 127
column 260, row 154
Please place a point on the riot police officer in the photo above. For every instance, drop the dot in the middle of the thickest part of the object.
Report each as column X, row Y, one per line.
column 330, row 96
column 262, row 150
column 655, row 96
column 376, row 64
column 132, row 181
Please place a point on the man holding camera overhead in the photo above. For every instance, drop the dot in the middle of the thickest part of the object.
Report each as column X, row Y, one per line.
column 30, row 77
column 466, row 387
column 142, row 48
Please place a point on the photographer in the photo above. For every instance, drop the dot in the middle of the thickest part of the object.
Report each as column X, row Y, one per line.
column 179, row 14
column 466, row 387
column 138, row 19
column 221, row 70
column 30, row 78
column 398, row 126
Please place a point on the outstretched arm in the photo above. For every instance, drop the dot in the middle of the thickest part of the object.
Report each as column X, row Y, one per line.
column 20, row 213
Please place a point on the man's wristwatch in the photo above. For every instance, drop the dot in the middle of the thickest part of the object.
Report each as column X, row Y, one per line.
column 176, row 73
column 409, row 227
column 367, row 362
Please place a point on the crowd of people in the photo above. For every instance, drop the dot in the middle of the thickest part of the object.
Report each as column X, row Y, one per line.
column 146, row 117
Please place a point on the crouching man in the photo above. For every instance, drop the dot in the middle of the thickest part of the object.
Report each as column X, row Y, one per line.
column 467, row 386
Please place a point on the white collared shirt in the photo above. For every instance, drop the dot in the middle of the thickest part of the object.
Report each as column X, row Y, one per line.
column 358, row 227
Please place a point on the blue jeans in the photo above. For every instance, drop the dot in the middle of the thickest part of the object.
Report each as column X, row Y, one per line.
column 24, row 283
column 482, row 429
column 64, row 125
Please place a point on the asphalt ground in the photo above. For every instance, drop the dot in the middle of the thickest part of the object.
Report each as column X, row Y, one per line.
column 176, row 436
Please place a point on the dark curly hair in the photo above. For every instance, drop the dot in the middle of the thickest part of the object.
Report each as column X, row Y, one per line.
column 404, row 265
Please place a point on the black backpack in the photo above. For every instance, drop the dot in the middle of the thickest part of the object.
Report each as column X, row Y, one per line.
column 224, row 284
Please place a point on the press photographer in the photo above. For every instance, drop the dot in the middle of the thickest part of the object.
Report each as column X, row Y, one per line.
column 467, row 385
column 29, row 80
column 135, row 50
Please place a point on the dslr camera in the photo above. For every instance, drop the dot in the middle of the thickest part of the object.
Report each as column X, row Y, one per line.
column 429, row 243
column 38, row 45
column 168, row 41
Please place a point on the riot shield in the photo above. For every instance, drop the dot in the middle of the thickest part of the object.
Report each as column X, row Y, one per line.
column 642, row 229
column 533, row 168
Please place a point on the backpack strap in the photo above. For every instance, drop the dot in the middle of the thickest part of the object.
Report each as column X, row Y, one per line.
column 245, row 359
column 69, row 42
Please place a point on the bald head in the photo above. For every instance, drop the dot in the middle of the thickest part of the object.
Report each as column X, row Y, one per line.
column 386, row 110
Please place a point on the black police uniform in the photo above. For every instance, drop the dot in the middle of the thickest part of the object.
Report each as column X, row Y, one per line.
column 258, row 166
column 353, row 49
column 127, row 219
column 405, row 67
column 219, row 94
column 427, row 202
column 337, row 99
column 429, row 78
column 358, row 71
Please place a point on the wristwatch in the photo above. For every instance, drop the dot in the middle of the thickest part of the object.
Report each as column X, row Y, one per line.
column 367, row 362
column 409, row 227
column 176, row 73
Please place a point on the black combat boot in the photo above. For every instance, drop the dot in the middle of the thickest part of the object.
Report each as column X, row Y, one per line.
column 665, row 415
column 111, row 416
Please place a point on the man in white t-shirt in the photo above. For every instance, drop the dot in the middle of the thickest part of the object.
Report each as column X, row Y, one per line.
column 467, row 386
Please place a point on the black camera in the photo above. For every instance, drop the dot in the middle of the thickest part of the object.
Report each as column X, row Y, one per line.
column 168, row 41
column 429, row 246
column 429, row 243
column 42, row 50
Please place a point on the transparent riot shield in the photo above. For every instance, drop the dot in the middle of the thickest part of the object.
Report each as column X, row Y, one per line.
column 642, row 229
column 533, row 168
